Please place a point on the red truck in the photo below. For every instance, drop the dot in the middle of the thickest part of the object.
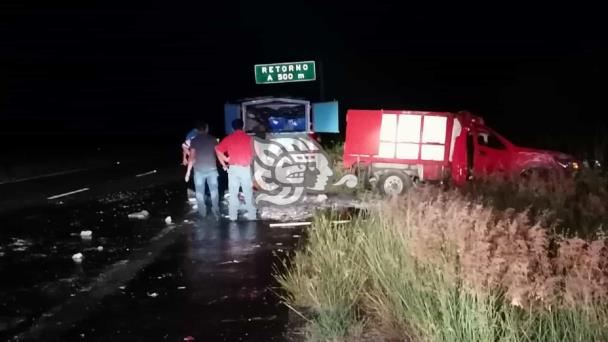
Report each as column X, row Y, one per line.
column 395, row 148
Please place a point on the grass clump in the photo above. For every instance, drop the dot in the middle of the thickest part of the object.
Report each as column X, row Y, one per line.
column 441, row 266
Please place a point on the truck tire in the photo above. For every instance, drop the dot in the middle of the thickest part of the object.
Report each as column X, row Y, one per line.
column 394, row 183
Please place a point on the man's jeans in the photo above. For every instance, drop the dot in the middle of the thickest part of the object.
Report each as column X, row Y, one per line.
column 210, row 177
column 240, row 176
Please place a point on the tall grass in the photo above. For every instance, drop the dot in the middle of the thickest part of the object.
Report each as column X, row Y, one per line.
column 438, row 266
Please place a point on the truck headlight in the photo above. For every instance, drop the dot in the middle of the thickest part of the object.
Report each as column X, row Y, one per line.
column 567, row 163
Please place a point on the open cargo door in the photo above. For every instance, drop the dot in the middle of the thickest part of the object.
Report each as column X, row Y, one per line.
column 325, row 117
column 231, row 112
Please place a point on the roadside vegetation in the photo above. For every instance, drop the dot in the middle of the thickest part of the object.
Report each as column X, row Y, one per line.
column 497, row 261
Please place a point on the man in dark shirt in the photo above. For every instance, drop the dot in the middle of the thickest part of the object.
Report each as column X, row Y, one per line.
column 202, row 161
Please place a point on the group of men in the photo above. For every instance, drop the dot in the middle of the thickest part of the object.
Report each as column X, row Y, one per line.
column 235, row 154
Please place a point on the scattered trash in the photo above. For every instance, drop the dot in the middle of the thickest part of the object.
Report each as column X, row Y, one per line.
column 279, row 244
column 140, row 215
column 181, row 287
column 77, row 257
column 153, row 294
column 229, row 262
column 221, row 299
column 100, row 248
column 187, row 221
column 321, row 198
column 86, row 234
column 296, row 235
column 168, row 220
column 20, row 245
column 122, row 287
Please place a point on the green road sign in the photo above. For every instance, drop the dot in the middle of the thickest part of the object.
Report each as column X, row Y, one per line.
column 285, row 72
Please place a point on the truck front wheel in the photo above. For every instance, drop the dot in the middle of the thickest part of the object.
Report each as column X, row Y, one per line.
column 394, row 183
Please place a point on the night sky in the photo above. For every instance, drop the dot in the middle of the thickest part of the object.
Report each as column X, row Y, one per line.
column 103, row 70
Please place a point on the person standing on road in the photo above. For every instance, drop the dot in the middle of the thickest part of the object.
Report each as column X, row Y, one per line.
column 235, row 153
column 186, row 146
column 202, row 161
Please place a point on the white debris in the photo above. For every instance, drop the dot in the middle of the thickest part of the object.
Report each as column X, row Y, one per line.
column 279, row 244
column 168, row 220
column 153, row 294
column 77, row 257
column 192, row 199
column 181, row 287
column 86, row 234
column 229, row 262
column 140, row 215
column 305, row 208
column 100, row 248
column 122, row 287
column 289, row 224
column 296, row 235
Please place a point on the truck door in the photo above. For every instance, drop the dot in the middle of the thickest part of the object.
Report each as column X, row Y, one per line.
column 325, row 117
column 232, row 111
column 491, row 155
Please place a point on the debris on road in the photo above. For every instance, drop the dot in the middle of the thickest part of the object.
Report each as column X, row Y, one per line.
column 140, row 215
column 153, row 294
column 181, row 287
column 305, row 209
column 100, row 248
column 321, row 198
column 229, row 262
column 86, row 234
column 189, row 338
column 168, row 220
column 20, row 245
column 77, row 257
column 289, row 224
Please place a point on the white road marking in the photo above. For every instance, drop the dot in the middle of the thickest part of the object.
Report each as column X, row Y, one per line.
column 68, row 193
column 146, row 173
column 42, row 176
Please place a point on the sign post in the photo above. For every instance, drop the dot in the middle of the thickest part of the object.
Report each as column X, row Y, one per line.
column 285, row 72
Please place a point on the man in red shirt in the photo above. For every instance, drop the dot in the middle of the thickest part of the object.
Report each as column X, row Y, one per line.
column 235, row 153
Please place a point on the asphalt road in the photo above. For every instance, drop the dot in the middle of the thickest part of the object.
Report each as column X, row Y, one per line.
column 138, row 280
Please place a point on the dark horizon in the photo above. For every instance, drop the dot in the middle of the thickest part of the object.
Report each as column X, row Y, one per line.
column 134, row 70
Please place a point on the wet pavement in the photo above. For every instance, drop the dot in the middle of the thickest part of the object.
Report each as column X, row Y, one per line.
column 139, row 280
column 215, row 283
column 37, row 245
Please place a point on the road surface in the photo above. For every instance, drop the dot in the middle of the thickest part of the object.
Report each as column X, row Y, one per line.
column 139, row 280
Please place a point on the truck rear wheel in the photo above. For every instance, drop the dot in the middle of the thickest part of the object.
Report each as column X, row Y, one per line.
column 394, row 183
